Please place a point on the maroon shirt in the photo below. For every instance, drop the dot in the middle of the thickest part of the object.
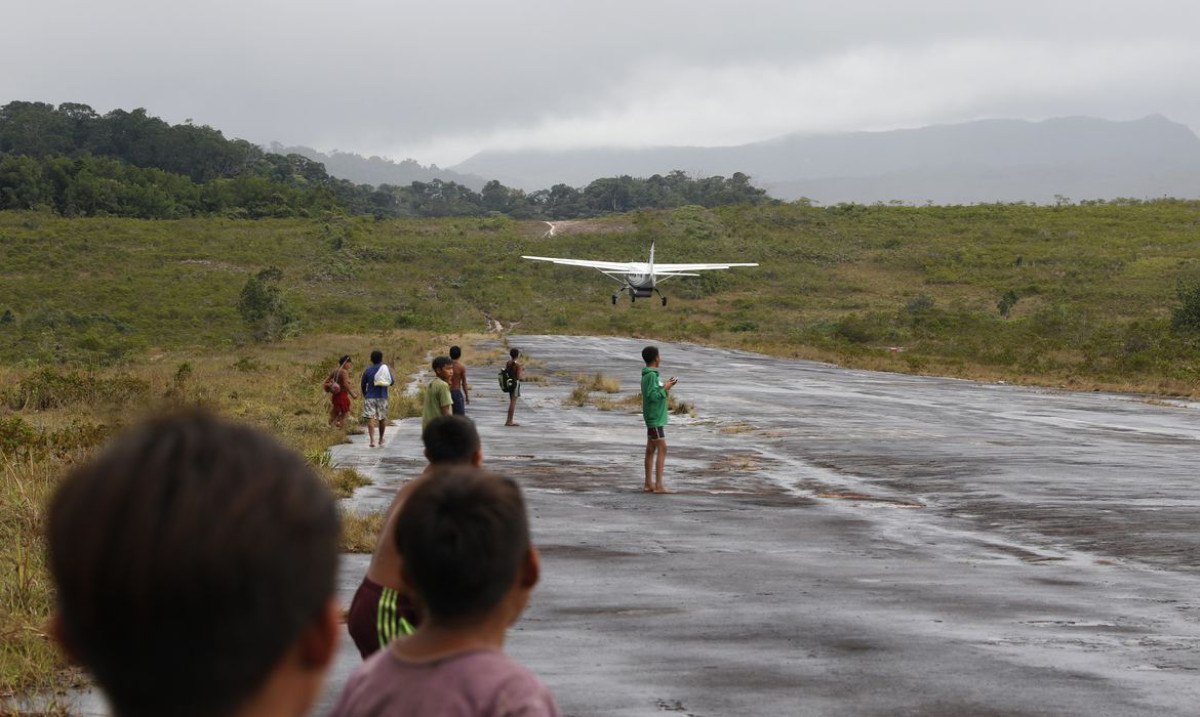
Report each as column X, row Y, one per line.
column 480, row 683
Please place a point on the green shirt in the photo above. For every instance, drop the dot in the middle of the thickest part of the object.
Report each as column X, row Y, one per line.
column 654, row 398
column 437, row 395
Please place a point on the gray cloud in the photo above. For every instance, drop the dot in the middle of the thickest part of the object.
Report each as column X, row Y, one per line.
column 438, row 81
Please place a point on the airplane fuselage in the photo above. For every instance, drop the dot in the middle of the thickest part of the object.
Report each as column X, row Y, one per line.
column 640, row 282
column 639, row 279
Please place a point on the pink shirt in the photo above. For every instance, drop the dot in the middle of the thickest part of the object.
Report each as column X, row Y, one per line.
column 482, row 683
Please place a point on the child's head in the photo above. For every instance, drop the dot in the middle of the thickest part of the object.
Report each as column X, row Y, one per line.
column 455, row 353
column 344, row 360
column 464, row 538
column 376, row 356
column 443, row 367
column 650, row 354
column 193, row 557
column 514, row 353
column 451, row 440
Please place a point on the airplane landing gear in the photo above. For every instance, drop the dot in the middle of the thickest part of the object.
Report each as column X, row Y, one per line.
column 664, row 301
column 614, row 299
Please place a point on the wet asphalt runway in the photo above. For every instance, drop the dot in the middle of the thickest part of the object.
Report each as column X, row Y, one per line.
column 842, row 542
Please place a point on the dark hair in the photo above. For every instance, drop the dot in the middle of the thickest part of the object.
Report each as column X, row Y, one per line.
column 463, row 534
column 441, row 362
column 189, row 556
column 376, row 356
column 455, row 352
column 649, row 354
column 450, row 439
column 514, row 353
column 344, row 360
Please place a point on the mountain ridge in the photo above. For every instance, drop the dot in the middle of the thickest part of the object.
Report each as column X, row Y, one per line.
column 981, row 161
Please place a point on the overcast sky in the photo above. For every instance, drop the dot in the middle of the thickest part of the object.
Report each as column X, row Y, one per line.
column 439, row 81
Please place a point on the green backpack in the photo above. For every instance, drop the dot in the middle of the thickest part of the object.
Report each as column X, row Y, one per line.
column 507, row 380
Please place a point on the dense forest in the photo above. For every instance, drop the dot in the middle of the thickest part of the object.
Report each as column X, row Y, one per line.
column 75, row 162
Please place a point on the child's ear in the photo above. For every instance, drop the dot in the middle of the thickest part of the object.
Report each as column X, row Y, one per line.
column 477, row 457
column 531, row 569
column 318, row 642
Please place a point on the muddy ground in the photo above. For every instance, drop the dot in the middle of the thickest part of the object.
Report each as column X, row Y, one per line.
column 842, row 542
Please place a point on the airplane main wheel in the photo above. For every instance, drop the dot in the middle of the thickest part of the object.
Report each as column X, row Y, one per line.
column 664, row 301
column 614, row 298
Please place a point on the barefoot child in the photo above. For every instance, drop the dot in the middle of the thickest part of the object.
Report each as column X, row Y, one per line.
column 654, row 411
column 516, row 371
column 463, row 538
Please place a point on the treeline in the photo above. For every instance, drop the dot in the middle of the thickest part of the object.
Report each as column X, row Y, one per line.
column 73, row 161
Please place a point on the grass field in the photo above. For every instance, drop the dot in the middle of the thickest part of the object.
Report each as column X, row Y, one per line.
column 104, row 320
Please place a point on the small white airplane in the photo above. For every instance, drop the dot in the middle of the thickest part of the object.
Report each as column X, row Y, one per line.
column 639, row 278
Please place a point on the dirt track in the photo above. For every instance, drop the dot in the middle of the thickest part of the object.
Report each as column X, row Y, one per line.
column 843, row 542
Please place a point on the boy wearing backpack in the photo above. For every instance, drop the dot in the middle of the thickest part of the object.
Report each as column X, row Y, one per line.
column 374, row 386
column 512, row 374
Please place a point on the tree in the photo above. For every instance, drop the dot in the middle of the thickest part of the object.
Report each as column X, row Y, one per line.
column 265, row 312
column 1186, row 316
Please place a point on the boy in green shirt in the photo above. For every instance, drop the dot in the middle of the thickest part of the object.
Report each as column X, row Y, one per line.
column 654, row 411
column 437, row 395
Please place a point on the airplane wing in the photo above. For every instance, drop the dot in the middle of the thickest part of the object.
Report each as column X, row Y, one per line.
column 605, row 266
column 670, row 268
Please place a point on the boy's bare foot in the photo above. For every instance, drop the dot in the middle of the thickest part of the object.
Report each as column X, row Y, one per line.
column 512, row 424
column 661, row 489
column 371, row 446
column 647, row 489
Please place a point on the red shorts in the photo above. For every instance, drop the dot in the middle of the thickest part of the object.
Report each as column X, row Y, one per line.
column 341, row 401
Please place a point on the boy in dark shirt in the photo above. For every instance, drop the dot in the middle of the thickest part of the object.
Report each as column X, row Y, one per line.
column 380, row 611
column 194, row 561
column 463, row 535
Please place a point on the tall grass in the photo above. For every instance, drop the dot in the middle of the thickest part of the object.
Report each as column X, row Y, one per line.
column 52, row 417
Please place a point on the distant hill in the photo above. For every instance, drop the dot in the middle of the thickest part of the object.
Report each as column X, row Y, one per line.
column 983, row 161
column 377, row 170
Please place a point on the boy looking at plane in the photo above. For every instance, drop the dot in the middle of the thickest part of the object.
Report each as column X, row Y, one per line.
column 516, row 372
column 437, row 394
column 374, row 386
column 463, row 534
column 654, row 412
column 194, row 561
column 459, row 391
column 379, row 611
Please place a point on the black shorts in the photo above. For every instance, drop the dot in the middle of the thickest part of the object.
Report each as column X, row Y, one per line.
column 655, row 433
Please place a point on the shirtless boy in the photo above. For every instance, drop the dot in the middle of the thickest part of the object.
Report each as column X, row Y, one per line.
column 459, row 391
